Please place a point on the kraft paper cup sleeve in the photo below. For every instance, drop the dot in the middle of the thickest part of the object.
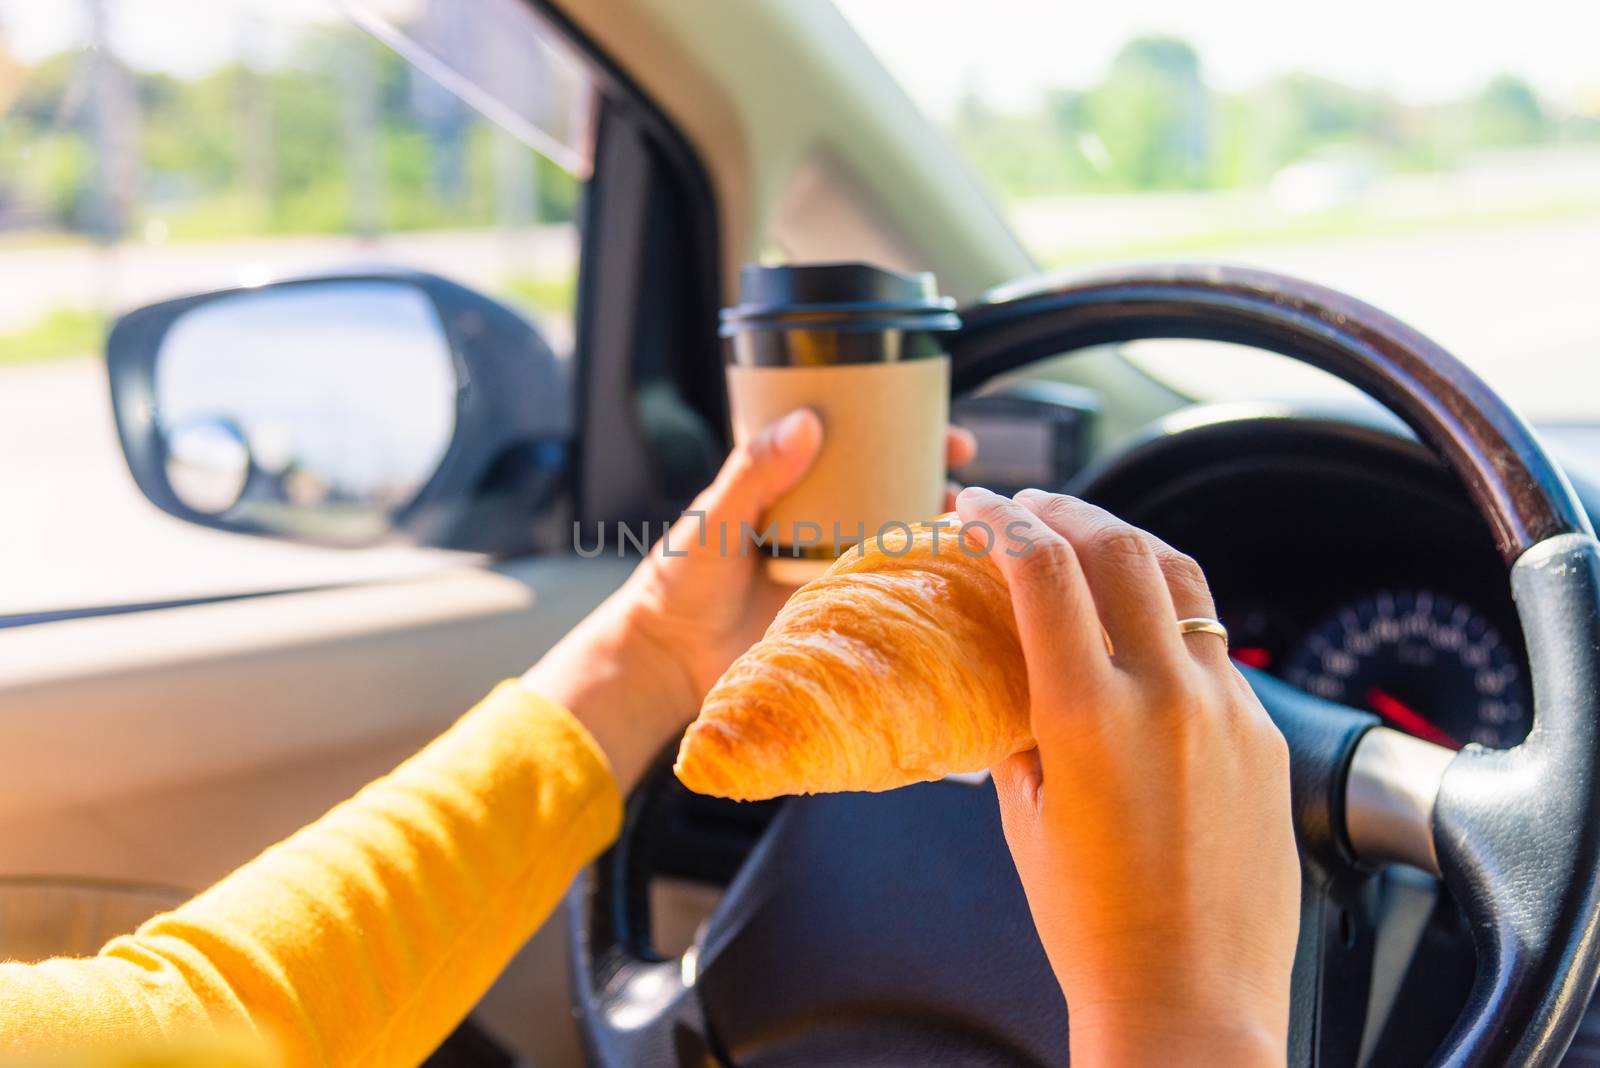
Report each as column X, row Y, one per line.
column 882, row 457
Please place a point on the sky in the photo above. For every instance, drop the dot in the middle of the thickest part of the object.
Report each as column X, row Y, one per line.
column 1011, row 50
column 1420, row 50
column 186, row 37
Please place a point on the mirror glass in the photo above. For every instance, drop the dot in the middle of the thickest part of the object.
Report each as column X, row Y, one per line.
column 208, row 464
column 313, row 409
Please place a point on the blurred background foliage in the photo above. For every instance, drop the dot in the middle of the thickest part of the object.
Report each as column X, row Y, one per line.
column 255, row 150
column 1152, row 123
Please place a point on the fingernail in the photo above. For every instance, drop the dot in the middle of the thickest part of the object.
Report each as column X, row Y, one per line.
column 791, row 427
column 976, row 493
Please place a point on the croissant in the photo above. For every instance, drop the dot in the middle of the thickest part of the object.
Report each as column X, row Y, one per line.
column 899, row 664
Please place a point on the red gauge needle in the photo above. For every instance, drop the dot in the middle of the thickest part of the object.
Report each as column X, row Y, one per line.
column 1407, row 718
column 1252, row 656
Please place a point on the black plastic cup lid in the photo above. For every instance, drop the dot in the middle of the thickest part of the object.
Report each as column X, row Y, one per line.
column 837, row 296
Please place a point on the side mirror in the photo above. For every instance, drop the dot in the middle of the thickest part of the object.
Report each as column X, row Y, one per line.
column 346, row 410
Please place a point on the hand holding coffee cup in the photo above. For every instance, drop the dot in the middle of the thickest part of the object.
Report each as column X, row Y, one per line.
column 859, row 346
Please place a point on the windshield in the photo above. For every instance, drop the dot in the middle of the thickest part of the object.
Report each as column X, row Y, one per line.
column 1441, row 163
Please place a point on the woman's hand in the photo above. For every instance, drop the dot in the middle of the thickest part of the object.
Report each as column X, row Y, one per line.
column 1151, row 827
column 635, row 671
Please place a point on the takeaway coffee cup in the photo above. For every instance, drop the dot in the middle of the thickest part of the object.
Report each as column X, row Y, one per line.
column 860, row 346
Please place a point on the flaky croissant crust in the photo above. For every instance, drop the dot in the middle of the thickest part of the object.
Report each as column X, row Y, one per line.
column 899, row 664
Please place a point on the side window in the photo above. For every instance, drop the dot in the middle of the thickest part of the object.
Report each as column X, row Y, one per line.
column 267, row 139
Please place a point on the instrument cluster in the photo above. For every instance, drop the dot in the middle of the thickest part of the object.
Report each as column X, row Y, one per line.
column 1343, row 558
column 1423, row 661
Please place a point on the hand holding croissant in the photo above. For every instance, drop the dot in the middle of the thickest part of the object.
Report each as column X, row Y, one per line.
column 1150, row 826
column 899, row 665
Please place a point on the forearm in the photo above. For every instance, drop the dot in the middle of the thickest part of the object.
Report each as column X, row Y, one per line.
column 364, row 938
column 1124, row 1040
column 631, row 695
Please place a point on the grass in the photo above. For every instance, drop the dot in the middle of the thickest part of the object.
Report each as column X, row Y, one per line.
column 543, row 293
column 61, row 332
column 70, row 330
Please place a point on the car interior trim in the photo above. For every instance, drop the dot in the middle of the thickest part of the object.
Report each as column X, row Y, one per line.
column 1389, row 797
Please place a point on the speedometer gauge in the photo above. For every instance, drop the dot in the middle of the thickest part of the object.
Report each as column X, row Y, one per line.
column 1425, row 663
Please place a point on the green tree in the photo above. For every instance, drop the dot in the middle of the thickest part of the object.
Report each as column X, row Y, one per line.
column 1295, row 116
column 1507, row 111
column 1035, row 153
column 46, row 166
column 1152, row 114
column 242, row 151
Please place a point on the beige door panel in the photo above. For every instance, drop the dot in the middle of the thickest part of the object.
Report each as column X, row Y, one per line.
column 167, row 746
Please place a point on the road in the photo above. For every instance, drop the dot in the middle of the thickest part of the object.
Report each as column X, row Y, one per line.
column 1518, row 302
column 76, row 532
column 78, row 274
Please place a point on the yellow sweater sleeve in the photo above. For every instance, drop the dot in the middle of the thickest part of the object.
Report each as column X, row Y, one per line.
column 363, row 939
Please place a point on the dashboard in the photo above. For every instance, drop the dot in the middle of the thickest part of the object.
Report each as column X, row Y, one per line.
column 1343, row 558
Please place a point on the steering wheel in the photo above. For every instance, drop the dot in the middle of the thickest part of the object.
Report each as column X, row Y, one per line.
column 891, row 930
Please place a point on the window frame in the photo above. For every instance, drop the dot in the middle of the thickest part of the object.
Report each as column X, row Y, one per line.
column 652, row 421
